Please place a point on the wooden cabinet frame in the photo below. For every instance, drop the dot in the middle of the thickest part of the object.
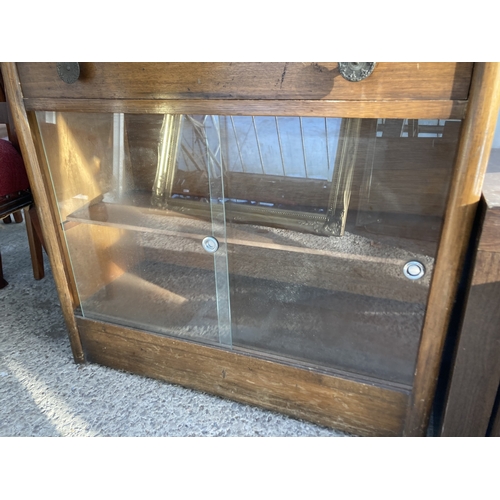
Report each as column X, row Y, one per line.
column 357, row 405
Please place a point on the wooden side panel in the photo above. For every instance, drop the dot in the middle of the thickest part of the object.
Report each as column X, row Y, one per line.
column 296, row 80
column 351, row 406
column 43, row 204
column 490, row 237
column 470, row 168
column 490, row 242
column 475, row 375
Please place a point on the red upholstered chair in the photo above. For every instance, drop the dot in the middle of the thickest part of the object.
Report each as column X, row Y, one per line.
column 15, row 195
column 14, row 185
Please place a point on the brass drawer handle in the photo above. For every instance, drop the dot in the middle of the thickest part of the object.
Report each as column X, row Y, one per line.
column 68, row 72
column 356, row 71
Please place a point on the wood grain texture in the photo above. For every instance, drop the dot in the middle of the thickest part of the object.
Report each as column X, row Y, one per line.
column 472, row 159
column 45, row 210
column 421, row 109
column 294, row 80
column 324, row 399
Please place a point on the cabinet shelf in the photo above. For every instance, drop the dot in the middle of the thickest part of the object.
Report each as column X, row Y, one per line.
column 352, row 263
column 309, row 329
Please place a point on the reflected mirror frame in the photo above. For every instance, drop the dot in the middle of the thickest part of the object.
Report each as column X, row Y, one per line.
column 332, row 223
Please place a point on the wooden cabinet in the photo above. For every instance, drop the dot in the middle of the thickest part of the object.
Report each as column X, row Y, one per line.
column 471, row 406
column 271, row 233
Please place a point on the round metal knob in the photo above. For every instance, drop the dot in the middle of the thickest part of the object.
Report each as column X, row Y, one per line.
column 414, row 270
column 68, row 72
column 356, row 71
column 210, row 244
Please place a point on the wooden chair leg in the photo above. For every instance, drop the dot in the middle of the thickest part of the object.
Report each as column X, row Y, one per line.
column 3, row 283
column 35, row 221
column 35, row 243
column 18, row 216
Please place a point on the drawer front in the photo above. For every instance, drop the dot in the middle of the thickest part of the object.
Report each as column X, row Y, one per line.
column 316, row 81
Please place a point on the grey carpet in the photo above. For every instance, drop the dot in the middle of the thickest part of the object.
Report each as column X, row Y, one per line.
column 44, row 393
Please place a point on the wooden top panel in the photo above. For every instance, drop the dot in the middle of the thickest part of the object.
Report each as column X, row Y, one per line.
column 491, row 190
column 317, row 81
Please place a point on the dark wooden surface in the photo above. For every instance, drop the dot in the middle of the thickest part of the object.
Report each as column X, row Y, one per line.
column 475, row 375
column 470, row 168
column 35, row 241
column 295, row 80
column 327, row 400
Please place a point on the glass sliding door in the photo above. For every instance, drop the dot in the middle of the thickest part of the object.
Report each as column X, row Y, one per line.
column 138, row 258
column 308, row 240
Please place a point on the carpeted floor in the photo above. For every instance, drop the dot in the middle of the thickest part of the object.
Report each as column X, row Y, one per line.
column 44, row 393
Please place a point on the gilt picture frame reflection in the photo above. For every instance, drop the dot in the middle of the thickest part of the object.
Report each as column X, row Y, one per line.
column 287, row 172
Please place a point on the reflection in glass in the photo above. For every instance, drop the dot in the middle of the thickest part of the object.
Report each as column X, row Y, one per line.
column 315, row 219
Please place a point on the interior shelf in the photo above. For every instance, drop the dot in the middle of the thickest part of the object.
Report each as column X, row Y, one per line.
column 307, row 327
column 352, row 263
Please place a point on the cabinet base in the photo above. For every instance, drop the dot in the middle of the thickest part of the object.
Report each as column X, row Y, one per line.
column 361, row 408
